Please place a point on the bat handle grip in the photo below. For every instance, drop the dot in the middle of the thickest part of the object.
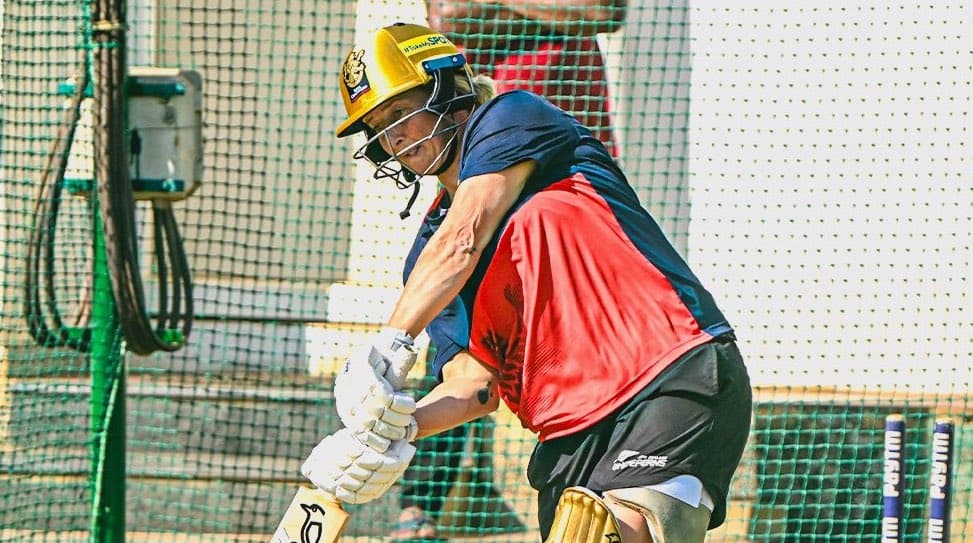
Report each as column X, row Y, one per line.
column 321, row 495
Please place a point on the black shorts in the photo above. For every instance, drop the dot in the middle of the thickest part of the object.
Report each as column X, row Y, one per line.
column 693, row 420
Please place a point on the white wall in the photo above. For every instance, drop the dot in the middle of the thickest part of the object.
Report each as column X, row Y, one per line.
column 832, row 187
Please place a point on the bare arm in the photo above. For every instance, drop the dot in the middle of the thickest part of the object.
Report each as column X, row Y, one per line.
column 463, row 20
column 448, row 260
column 468, row 392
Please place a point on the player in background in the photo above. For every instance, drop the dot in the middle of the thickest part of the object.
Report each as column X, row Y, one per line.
column 551, row 51
column 582, row 317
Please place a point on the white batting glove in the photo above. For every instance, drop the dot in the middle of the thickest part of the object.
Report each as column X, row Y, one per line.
column 365, row 391
column 353, row 472
column 393, row 353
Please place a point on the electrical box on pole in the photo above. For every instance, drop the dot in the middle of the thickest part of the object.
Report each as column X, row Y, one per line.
column 165, row 132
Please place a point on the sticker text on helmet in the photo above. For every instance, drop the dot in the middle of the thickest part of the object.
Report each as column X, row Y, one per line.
column 422, row 42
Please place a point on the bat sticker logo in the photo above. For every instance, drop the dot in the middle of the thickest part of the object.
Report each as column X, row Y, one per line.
column 313, row 527
column 613, row 538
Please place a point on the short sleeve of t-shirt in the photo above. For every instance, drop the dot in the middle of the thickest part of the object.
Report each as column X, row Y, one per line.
column 514, row 127
column 449, row 333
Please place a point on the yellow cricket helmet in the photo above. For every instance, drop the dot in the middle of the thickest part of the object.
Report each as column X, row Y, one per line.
column 390, row 61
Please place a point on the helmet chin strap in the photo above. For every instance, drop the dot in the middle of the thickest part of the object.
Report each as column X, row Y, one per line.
column 404, row 214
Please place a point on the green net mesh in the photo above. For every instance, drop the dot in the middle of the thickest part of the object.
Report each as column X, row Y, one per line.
column 812, row 163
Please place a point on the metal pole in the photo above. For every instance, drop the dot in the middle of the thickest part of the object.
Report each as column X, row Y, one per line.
column 107, row 405
column 143, row 23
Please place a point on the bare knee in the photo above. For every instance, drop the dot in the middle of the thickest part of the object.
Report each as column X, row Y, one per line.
column 648, row 516
column 631, row 522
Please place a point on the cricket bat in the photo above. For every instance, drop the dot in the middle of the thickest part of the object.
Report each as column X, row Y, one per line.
column 314, row 516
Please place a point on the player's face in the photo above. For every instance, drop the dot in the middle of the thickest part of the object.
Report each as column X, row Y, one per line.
column 415, row 136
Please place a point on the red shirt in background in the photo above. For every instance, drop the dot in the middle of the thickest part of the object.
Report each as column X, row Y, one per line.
column 568, row 71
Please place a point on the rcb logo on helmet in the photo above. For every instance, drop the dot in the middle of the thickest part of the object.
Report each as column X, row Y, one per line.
column 353, row 75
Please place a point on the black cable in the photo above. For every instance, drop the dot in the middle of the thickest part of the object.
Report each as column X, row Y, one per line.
column 178, row 314
column 44, row 321
column 161, row 266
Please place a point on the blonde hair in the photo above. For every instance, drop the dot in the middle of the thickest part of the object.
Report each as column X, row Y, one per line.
column 484, row 88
